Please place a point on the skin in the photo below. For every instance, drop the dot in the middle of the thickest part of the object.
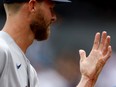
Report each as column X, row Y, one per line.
column 92, row 65
column 29, row 21
column 32, row 20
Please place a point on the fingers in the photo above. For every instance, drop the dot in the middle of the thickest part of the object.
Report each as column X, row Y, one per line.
column 82, row 55
column 108, row 54
column 96, row 41
column 103, row 40
column 103, row 44
column 106, row 45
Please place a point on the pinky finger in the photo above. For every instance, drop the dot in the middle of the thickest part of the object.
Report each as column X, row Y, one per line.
column 108, row 54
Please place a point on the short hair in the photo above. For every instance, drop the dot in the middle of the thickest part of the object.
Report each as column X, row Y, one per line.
column 18, row 1
column 14, row 7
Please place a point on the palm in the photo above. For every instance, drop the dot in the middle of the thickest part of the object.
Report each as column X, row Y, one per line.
column 91, row 66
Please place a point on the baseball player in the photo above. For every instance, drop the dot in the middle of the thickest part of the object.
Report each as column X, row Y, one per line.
column 27, row 20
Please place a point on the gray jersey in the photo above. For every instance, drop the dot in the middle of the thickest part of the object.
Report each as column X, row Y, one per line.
column 15, row 69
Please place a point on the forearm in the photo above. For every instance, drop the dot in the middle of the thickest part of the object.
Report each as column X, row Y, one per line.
column 86, row 82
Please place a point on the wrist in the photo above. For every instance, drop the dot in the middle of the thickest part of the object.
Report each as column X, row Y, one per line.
column 86, row 82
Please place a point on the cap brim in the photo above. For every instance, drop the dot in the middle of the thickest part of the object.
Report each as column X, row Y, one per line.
column 61, row 0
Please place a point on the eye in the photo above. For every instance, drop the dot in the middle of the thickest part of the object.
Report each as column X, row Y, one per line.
column 52, row 6
column 52, row 9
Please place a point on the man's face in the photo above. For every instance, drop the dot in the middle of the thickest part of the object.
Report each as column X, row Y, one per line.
column 43, row 17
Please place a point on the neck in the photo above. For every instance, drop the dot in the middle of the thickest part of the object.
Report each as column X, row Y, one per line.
column 21, row 34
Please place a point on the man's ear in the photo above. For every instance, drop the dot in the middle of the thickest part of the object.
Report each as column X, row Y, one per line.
column 32, row 5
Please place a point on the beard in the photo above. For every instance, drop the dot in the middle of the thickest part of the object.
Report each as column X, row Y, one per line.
column 40, row 27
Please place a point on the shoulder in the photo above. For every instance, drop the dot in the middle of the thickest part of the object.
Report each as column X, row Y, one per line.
column 4, row 50
column 5, row 41
column 3, row 46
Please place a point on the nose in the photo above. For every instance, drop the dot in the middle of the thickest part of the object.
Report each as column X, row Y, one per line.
column 54, row 17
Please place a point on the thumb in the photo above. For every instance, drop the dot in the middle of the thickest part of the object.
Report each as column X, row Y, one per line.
column 82, row 54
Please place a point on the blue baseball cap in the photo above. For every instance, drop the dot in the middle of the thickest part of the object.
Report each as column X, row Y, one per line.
column 19, row 1
column 61, row 0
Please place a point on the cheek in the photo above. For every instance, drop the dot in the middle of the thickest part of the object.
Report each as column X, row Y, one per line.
column 48, row 14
